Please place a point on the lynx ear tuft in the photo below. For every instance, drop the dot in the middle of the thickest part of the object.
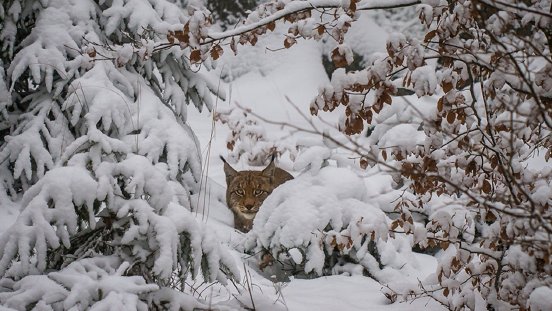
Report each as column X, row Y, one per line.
column 270, row 169
column 229, row 171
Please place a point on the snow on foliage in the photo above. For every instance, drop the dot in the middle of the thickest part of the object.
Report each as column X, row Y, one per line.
column 100, row 89
column 97, row 283
column 249, row 139
column 48, row 218
column 99, row 158
column 323, row 223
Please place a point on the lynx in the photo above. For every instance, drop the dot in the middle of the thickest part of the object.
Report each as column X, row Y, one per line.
column 246, row 191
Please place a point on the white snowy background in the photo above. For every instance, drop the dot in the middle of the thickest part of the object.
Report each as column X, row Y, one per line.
column 279, row 85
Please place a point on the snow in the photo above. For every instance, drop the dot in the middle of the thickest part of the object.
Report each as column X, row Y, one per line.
column 61, row 187
column 424, row 80
column 297, row 210
column 366, row 42
column 540, row 299
column 263, row 82
column 344, row 293
column 294, row 217
column 297, row 6
column 403, row 136
column 86, row 279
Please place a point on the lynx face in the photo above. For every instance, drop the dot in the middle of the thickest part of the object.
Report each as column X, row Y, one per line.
column 247, row 190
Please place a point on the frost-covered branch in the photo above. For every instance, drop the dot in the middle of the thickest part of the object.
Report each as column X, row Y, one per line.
column 295, row 7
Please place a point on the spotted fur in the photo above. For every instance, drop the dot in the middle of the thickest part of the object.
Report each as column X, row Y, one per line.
column 247, row 190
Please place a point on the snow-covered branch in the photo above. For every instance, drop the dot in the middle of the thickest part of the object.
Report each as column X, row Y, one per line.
column 294, row 7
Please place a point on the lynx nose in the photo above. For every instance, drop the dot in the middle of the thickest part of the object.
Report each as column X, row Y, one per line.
column 249, row 206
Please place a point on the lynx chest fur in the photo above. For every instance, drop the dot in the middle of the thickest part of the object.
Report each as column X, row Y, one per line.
column 246, row 191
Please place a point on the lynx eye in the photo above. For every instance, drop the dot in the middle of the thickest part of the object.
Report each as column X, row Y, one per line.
column 240, row 192
column 258, row 192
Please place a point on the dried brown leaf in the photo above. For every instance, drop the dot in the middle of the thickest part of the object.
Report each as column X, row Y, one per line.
column 338, row 59
column 363, row 163
column 430, row 36
column 386, row 98
column 253, row 40
column 234, row 46
column 216, row 52
column 170, row 37
column 490, row 217
column 92, row 52
column 183, row 35
column 195, row 56
column 447, row 86
column 321, row 29
column 486, row 186
column 289, row 41
column 451, row 116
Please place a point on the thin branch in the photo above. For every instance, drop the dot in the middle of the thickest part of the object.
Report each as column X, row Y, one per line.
column 300, row 6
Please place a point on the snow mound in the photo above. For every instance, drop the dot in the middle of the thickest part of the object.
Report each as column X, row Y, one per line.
column 323, row 224
column 539, row 300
